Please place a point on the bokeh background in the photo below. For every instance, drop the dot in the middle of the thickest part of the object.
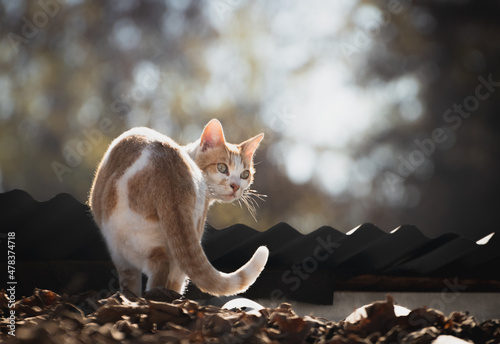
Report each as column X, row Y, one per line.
column 374, row 111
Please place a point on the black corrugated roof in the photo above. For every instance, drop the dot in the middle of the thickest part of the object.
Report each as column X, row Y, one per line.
column 365, row 250
column 61, row 230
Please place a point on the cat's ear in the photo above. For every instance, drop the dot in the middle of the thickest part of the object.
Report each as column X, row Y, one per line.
column 249, row 147
column 212, row 136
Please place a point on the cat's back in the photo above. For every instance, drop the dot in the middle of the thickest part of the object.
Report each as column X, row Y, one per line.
column 134, row 151
column 127, row 148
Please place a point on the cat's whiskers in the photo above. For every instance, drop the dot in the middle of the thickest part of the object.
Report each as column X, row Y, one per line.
column 250, row 202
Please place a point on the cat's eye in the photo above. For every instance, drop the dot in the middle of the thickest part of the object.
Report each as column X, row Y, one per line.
column 222, row 168
column 245, row 174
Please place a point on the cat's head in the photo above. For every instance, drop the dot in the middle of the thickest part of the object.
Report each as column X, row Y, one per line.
column 228, row 168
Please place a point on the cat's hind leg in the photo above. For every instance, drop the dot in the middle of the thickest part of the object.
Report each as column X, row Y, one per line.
column 176, row 279
column 162, row 272
column 158, row 268
column 130, row 277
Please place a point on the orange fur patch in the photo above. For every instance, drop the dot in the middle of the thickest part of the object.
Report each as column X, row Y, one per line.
column 163, row 186
column 103, row 196
column 158, row 261
column 158, row 255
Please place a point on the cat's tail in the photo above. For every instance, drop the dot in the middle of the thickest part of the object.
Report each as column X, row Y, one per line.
column 239, row 280
column 192, row 260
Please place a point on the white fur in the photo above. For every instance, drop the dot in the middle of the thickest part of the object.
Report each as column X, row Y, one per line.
column 127, row 227
column 234, row 177
column 252, row 269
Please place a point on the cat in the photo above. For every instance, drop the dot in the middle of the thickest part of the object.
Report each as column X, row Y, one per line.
column 150, row 198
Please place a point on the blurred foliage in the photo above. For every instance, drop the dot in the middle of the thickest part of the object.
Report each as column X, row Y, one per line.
column 75, row 74
column 449, row 47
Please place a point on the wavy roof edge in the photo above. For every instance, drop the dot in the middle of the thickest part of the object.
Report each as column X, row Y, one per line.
column 66, row 197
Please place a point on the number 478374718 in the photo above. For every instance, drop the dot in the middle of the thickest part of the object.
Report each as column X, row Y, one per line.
column 11, row 255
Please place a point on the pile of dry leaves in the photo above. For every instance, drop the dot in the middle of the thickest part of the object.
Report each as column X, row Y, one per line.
column 163, row 317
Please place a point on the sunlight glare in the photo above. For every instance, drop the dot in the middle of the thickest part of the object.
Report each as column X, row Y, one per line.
column 300, row 163
column 333, row 172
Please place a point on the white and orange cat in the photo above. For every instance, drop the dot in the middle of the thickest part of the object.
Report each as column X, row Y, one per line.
column 150, row 198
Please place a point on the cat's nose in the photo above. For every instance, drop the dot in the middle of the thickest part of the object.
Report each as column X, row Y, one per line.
column 235, row 187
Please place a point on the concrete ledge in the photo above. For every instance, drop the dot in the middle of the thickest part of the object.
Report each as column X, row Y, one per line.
column 482, row 306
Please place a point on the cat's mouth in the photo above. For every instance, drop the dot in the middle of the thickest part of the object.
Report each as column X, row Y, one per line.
column 230, row 197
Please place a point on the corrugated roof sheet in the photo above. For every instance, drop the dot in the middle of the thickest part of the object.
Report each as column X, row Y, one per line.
column 61, row 230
